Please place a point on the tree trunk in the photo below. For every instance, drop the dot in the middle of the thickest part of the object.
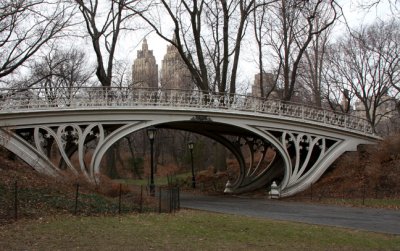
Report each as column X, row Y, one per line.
column 219, row 158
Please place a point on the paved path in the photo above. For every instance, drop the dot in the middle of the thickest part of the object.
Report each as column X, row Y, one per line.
column 376, row 220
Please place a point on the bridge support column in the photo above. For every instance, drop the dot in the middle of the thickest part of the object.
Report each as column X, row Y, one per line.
column 21, row 148
column 307, row 156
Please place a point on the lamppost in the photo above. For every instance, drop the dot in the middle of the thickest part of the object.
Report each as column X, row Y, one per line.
column 151, row 133
column 190, row 146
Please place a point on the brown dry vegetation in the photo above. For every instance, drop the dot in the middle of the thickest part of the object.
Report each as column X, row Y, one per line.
column 16, row 170
column 371, row 172
column 40, row 195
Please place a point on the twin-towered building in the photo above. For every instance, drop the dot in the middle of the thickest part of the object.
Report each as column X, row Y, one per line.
column 174, row 73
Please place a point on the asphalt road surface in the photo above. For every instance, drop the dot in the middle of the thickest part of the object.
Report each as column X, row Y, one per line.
column 375, row 220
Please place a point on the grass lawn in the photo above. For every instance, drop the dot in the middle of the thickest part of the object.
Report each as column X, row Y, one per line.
column 185, row 230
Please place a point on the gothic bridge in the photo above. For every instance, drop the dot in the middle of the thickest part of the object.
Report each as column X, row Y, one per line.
column 300, row 141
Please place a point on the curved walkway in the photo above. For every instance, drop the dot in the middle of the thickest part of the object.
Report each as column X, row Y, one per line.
column 375, row 220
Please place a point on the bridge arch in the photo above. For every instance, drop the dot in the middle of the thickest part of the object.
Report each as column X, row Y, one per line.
column 246, row 179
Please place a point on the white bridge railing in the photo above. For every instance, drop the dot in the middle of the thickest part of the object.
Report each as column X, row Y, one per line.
column 70, row 98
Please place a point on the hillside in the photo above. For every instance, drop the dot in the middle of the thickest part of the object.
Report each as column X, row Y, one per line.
column 373, row 172
column 40, row 195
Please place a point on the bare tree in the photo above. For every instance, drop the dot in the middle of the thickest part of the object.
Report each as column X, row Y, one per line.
column 291, row 27
column 367, row 61
column 259, row 17
column 122, row 74
column 313, row 66
column 370, row 4
column 208, row 35
column 25, row 26
column 60, row 71
column 105, row 20
column 337, row 91
column 392, row 57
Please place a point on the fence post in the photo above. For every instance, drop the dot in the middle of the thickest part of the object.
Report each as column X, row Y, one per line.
column 16, row 200
column 141, row 199
column 76, row 198
column 363, row 198
column 170, row 190
column 173, row 197
column 159, row 201
column 179, row 198
column 119, row 199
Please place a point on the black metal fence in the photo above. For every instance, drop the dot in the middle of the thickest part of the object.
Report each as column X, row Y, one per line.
column 169, row 199
column 18, row 201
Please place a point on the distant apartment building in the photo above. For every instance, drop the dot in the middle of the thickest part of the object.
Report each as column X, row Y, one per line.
column 386, row 109
column 268, row 85
column 387, row 115
column 145, row 68
column 174, row 72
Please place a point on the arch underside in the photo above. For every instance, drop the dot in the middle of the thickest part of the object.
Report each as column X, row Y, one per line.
column 294, row 159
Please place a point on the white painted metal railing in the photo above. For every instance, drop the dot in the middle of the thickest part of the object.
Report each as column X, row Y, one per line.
column 75, row 98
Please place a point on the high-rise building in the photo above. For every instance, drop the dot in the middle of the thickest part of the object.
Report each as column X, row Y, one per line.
column 174, row 72
column 145, row 68
column 267, row 85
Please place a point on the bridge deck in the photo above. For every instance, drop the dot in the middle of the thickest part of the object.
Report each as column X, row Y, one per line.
column 61, row 99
